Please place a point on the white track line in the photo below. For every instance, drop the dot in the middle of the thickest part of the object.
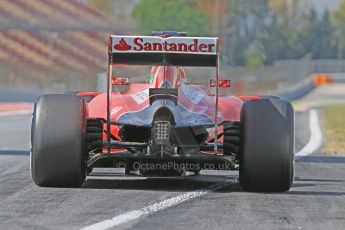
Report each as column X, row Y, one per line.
column 14, row 113
column 315, row 139
column 136, row 214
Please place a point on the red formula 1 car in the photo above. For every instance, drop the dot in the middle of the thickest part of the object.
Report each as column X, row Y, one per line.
column 163, row 114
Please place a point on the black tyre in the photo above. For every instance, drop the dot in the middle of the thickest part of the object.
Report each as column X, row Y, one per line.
column 267, row 145
column 58, row 141
column 231, row 138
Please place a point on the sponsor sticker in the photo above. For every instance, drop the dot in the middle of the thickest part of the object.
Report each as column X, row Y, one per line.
column 115, row 110
column 193, row 45
column 140, row 96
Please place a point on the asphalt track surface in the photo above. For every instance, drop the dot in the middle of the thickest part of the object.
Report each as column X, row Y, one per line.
column 316, row 201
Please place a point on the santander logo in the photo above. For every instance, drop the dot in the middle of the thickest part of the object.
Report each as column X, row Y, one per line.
column 172, row 44
column 122, row 45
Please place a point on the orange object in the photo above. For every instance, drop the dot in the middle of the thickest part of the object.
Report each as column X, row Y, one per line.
column 243, row 98
column 321, row 79
column 83, row 94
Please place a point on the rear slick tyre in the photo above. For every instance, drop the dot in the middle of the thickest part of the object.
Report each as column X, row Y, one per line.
column 267, row 145
column 58, row 141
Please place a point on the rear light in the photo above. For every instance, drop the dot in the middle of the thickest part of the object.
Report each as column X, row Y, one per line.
column 162, row 132
column 221, row 83
column 119, row 81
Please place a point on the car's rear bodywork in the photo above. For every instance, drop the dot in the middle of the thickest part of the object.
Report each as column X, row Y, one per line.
column 189, row 111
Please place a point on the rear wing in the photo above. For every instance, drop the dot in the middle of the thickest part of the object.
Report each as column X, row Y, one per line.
column 176, row 51
column 155, row 50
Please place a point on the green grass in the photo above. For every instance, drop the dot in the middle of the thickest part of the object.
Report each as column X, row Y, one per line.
column 335, row 130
